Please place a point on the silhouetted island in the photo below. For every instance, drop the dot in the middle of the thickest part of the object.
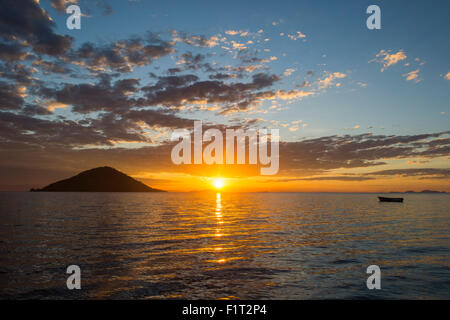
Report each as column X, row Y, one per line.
column 426, row 191
column 423, row 191
column 102, row 179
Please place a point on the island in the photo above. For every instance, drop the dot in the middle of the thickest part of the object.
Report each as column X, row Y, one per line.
column 426, row 191
column 419, row 192
column 101, row 179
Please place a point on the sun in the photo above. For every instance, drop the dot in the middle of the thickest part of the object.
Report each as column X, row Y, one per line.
column 218, row 183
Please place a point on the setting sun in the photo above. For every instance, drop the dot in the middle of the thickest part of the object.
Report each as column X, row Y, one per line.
column 218, row 183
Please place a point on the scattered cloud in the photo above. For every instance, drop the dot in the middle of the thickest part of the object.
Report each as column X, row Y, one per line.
column 237, row 32
column 362, row 84
column 304, row 84
column 329, row 79
column 196, row 40
column 292, row 94
column 387, row 58
column 120, row 56
column 27, row 21
column 423, row 173
column 414, row 162
column 413, row 76
column 288, row 72
column 359, row 151
column 296, row 36
column 61, row 5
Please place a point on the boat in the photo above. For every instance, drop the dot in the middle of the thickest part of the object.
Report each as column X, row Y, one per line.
column 386, row 199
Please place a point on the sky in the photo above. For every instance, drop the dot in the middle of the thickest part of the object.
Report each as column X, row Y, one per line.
column 358, row 110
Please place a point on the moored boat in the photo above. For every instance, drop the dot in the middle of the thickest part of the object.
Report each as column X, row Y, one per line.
column 387, row 199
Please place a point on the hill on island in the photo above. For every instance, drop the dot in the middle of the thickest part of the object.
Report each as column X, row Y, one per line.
column 426, row 191
column 102, row 179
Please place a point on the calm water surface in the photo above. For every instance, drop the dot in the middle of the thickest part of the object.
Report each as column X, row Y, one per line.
column 229, row 245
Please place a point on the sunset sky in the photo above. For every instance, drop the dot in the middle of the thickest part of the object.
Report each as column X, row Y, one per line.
column 358, row 110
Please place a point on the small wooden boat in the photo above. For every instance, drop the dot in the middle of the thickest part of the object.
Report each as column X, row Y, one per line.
column 386, row 199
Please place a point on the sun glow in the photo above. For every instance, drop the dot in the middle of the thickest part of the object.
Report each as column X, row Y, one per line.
column 218, row 183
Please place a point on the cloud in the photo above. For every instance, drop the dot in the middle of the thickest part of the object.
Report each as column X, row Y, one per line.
column 52, row 105
column 238, row 46
column 329, row 79
column 104, row 130
column 296, row 36
column 240, row 69
column 275, row 23
column 131, row 125
column 172, row 81
column 18, row 72
column 223, row 76
column 292, row 94
column 362, row 84
column 104, row 6
column 326, row 178
column 196, row 40
column 26, row 20
column 247, row 56
column 304, row 84
column 358, row 151
column 12, row 52
column 168, row 91
column 387, row 59
column 234, row 96
column 11, row 96
column 417, row 161
column 30, row 130
column 288, row 72
column 121, row 56
column 412, row 76
column 236, row 32
column 158, row 118
column 424, row 173
column 35, row 110
column 232, row 32
column 52, row 67
column 86, row 97
column 105, row 103
column 190, row 61
column 61, row 5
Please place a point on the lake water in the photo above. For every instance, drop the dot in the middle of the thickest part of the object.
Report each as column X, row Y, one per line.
column 223, row 246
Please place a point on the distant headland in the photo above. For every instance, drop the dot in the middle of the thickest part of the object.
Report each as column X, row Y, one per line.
column 102, row 179
column 423, row 191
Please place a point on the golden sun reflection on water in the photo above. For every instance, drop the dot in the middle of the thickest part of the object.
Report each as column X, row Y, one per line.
column 224, row 247
column 219, row 224
column 218, row 205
